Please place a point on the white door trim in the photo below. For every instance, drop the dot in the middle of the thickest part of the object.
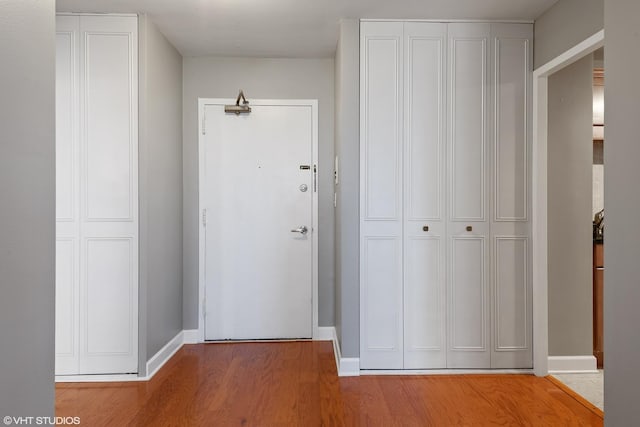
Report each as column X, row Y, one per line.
column 539, row 202
column 202, row 102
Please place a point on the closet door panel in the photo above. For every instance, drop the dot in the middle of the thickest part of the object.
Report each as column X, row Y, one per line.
column 382, row 126
column 382, row 298
column 66, row 119
column 424, row 303
column 109, row 283
column 468, row 53
column 424, row 202
column 108, row 131
column 468, row 226
column 511, row 108
column 66, row 335
column 67, row 196
column 425, row 97
column 468, row 319
column 109, row 195
column 511, row 304
column 467, row 293
column 381, row 145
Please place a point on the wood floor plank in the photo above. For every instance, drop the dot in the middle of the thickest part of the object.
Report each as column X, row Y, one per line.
column 296, row 384
column 576, row 396
column 448, row 400
column 371, row 407
column 330, row 398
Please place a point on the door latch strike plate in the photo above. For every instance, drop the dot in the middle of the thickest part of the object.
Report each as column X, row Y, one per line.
column 315, row 178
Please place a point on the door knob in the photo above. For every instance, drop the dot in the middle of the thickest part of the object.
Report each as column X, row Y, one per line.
column 469, row 228
column 302, row 229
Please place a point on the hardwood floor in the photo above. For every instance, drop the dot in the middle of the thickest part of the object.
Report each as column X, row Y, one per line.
column 295, row 384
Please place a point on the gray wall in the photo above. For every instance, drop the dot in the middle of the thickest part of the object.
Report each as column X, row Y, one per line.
column 212, row 77
column 160, row 168
column 622, row 201
column 347, row 79
column 570, row 159
column 564, row 25
column 27, row 207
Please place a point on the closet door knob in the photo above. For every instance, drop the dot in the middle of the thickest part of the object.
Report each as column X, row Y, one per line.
column 425, row 228
column 469, row 228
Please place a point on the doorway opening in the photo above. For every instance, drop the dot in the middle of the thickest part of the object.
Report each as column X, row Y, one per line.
column 567, row 179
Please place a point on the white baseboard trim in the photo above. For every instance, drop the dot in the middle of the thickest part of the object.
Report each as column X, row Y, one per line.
column 446, row 372
column 572, row 364
column 336, row 349
column 325, row 333
column 346, row 366
column 164, row 354
column 190, row 336
column 98, row 378
column 349, row 367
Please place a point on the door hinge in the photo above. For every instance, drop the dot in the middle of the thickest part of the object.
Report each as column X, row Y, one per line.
column 204, row 307
column 204, row 217
column 204, row 123
column 315, row 178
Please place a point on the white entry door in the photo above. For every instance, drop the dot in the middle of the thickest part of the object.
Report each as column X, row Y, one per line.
column 258, row 195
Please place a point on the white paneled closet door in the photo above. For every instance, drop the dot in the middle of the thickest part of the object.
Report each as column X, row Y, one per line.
column 97, row 195
column 468, row 288
column 67, row 196
column 512, row 342
column 425, row 209
column 381, row 152
column 445, row 189
column 109, row 184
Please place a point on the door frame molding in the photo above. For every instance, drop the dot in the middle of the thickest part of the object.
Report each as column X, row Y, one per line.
column 539, row 195
column 202, row 103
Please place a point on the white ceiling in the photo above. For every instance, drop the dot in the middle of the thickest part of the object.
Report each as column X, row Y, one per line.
column 289, row 28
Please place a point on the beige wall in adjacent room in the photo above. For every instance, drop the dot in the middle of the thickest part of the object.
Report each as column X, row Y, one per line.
column 570, row 158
